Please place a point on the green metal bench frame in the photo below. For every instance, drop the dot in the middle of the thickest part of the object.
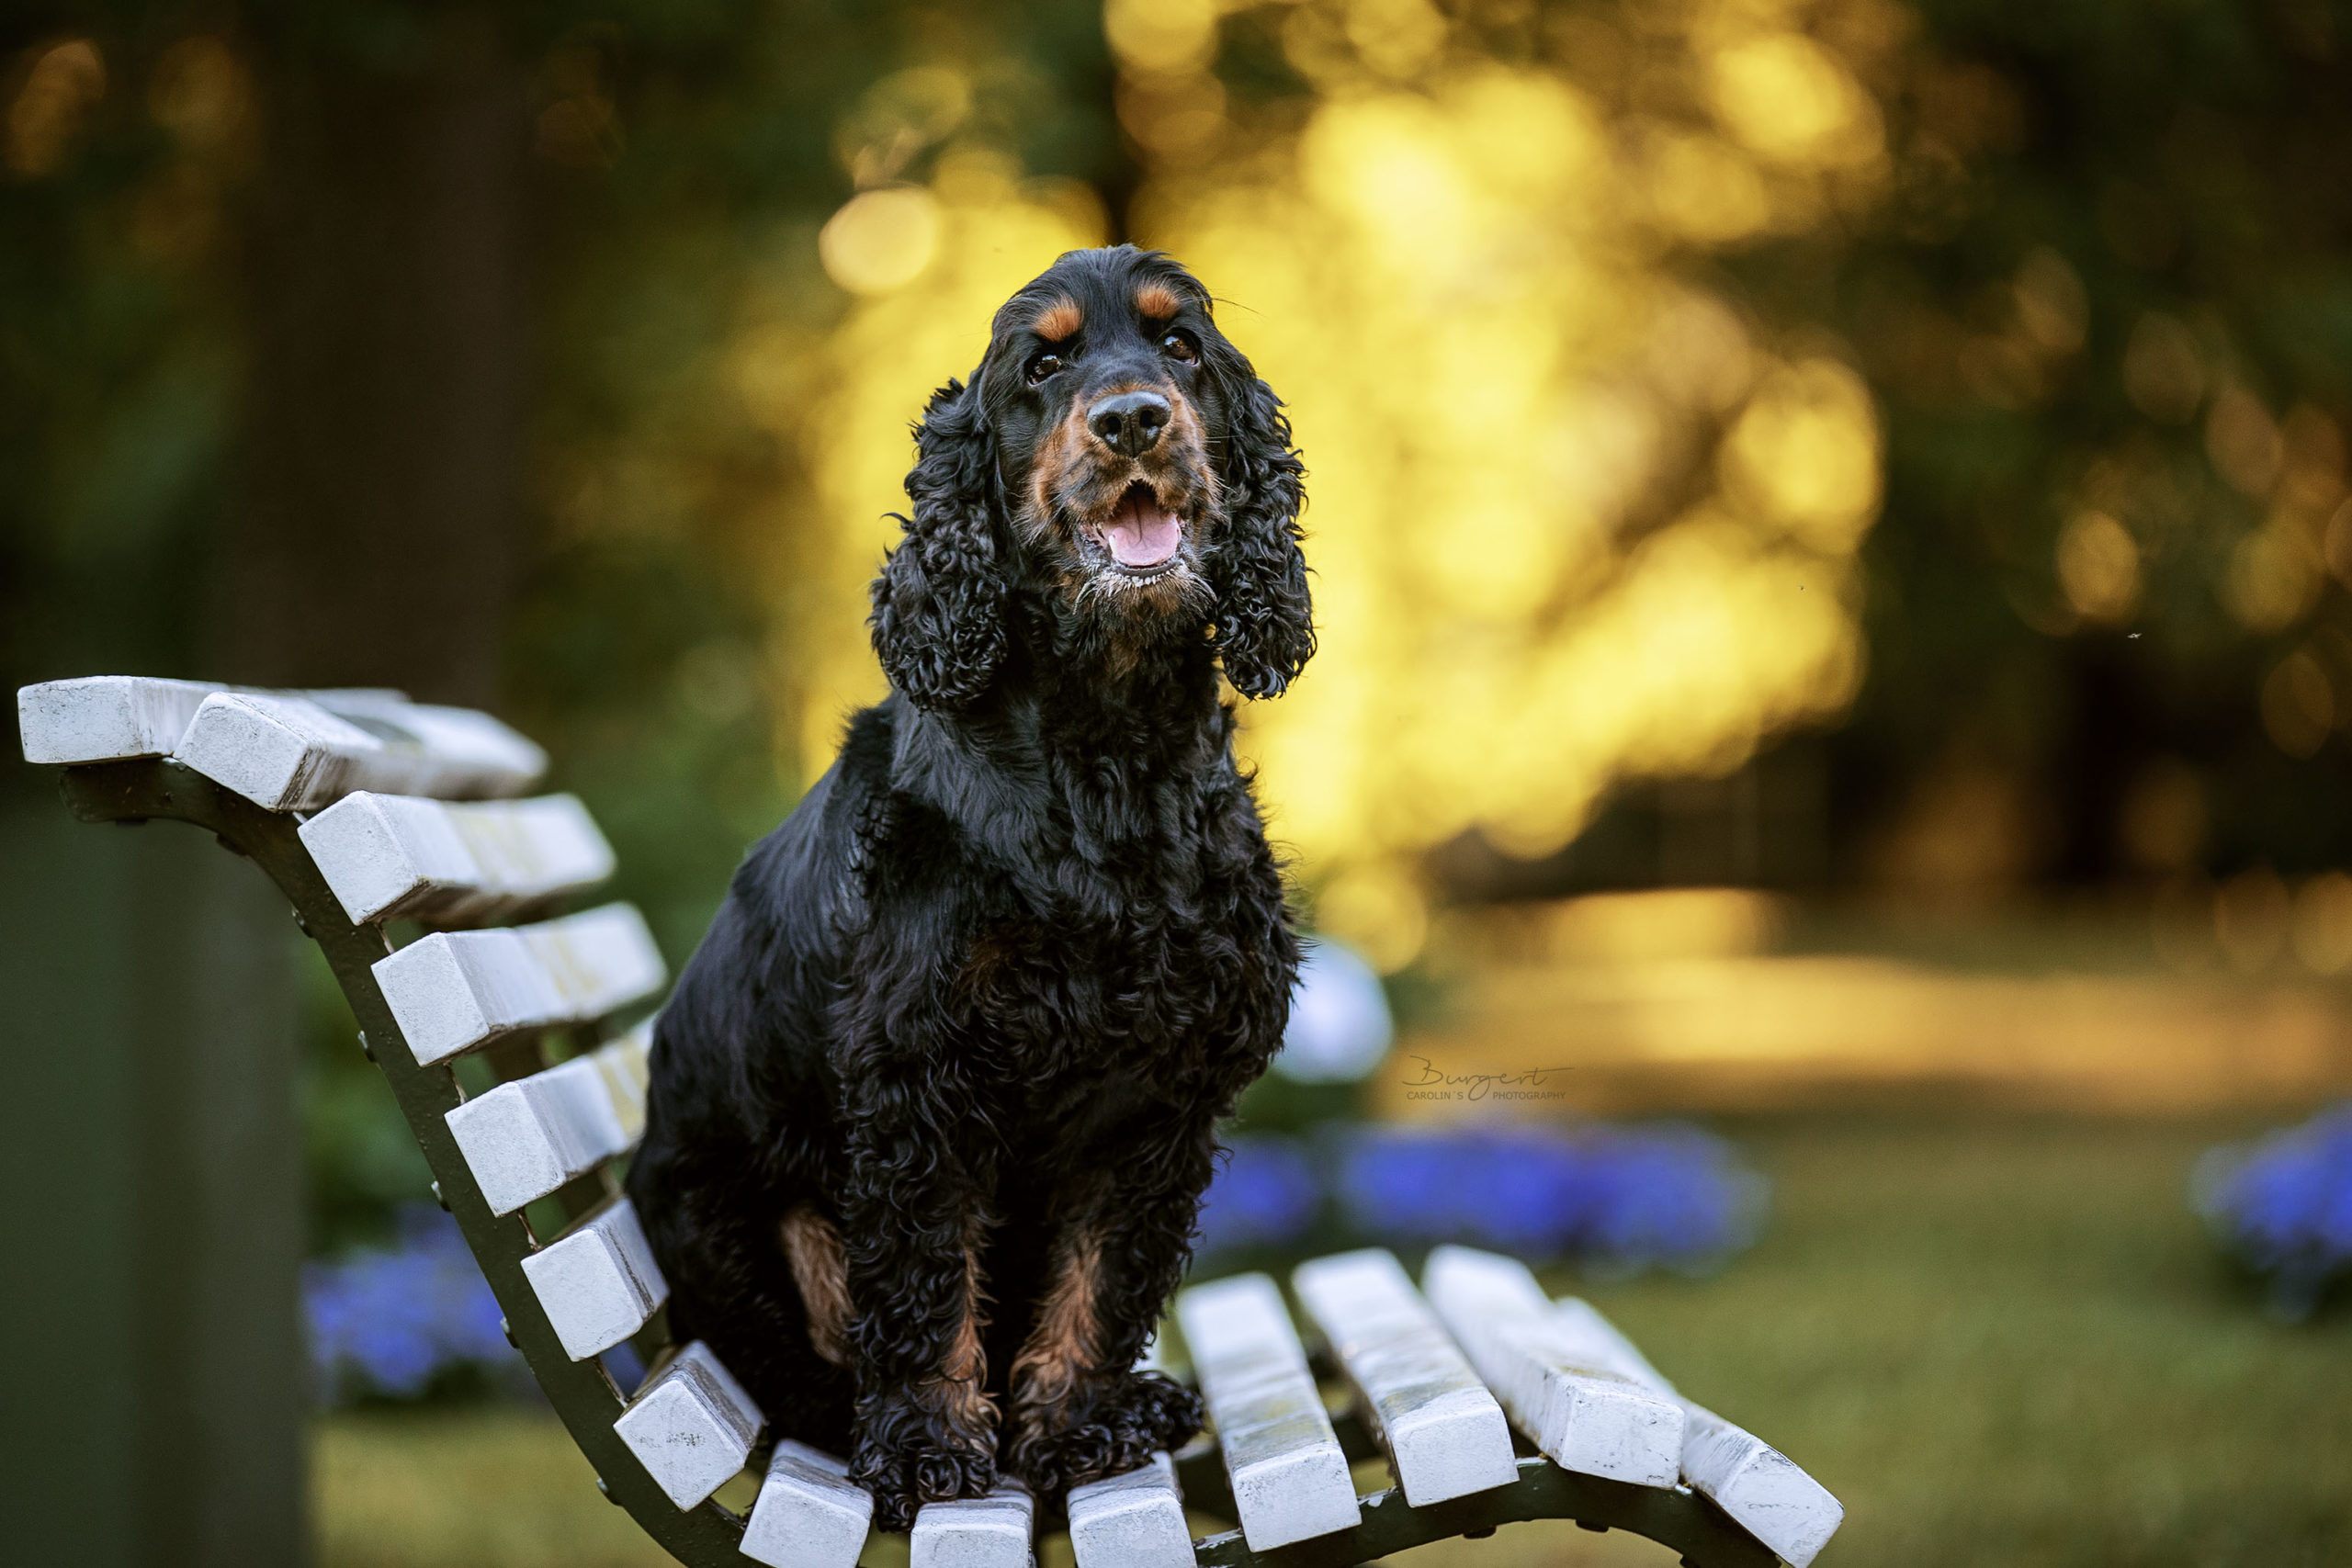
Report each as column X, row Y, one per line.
column 583, row 1394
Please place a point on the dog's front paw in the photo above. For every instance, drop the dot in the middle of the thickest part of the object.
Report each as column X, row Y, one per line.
column 909, row 1453
column 1108, row 1426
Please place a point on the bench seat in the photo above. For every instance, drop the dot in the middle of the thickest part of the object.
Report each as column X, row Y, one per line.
column 367, row 808
column 1444, row 1435
column 1288, row 1475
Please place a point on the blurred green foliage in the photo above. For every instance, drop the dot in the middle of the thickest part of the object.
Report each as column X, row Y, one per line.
column 2109, row 218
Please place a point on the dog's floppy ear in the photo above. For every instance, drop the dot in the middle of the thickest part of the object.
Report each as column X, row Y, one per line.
column 939, row 605
column 1265, row 625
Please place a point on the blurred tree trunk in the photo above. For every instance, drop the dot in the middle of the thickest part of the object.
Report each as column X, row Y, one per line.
column 382, row 265
column 385, row 271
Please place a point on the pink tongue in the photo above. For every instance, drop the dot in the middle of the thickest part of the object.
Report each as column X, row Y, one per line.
column 1143, row 533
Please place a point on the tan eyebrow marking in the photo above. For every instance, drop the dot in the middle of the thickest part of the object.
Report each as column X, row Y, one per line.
column 1159, row 300
column 1058, row 320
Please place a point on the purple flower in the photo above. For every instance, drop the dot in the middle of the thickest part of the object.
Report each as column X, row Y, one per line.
column 1268, row 1194
column 2285, row 1206
column 1617, row 1197
column 388, row 1320
column 1620, row 1197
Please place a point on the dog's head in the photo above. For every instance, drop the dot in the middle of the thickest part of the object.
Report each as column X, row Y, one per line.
column 1115, row 449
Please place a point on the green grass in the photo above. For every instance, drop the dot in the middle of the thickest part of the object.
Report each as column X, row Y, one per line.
column 1999, row 1342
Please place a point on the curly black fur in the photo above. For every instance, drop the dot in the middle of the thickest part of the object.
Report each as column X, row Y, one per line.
column 979, row 1002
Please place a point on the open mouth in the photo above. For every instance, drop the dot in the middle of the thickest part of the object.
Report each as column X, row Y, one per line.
column 1142, row 535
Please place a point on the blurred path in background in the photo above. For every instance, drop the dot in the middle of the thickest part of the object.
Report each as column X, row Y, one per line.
column 1721, row 999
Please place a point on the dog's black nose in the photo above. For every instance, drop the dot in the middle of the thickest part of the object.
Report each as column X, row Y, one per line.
column 1129, row 422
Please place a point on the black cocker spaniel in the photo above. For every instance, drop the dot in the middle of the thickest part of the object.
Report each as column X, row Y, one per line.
column 933, row 1106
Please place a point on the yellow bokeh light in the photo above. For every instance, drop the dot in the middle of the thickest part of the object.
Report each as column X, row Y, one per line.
column 1573, row 515
column 2098, row 567
column 1805, row 453
column 881, row 240
column 993, row 233
column 1505, row 389
column 1162, row 34
column 1784, row 97
column 65, row 81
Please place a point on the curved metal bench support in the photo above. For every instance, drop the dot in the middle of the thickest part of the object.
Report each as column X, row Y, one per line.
column 583, row 1395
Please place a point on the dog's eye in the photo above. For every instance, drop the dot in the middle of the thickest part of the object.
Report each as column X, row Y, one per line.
column 1042, row 366
column 1179, row 346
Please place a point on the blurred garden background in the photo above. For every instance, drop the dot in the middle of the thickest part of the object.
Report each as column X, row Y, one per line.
column 1834, row 575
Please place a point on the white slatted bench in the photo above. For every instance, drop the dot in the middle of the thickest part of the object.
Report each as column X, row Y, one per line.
column 1487, row 1402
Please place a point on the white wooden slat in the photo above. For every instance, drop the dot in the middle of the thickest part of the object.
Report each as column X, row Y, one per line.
column 1583, row 1416
column 300, row 752
column 1290, row 1477
column 692, row 1426
column 1588, row 1332
column 1136, row 1520
column 1760, row 1486
column 111, row 718
column 527, row 1137
column 453, row 991
column 808, row 1512
column 994, row 1531
column 106, row 718
column 598, row 1282
column 1757, row 1485
column 1444, row 1435
column 454, row 863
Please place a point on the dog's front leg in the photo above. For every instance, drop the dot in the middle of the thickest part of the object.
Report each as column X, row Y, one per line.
column 912, row 1216
column 1079, row 1409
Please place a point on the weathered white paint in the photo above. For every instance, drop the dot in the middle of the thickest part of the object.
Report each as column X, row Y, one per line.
column 809, row 1514
column 1753, row 1482
column 453, row 991
column 106, row 718
column 692, row 1426
column 1583, row 1416
column 523, row 1139
column 298, row 752
column 994, row 1531
column 1290, row 1477
column 454, row 864
column 1586, row 1333
column 598, row 1282
column 1444, row 1434
column 1136, row 1520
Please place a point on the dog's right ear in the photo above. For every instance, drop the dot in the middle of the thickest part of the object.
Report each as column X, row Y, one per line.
column 939, row 605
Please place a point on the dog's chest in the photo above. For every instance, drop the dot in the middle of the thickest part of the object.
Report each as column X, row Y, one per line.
column 1060, row 995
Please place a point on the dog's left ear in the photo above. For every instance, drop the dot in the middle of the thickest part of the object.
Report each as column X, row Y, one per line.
column 938, row 620
column 1265, row 625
